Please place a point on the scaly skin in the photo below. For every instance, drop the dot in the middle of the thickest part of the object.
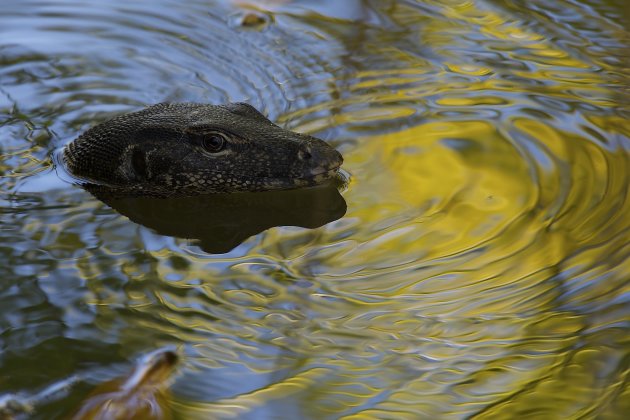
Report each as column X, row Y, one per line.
column 188, row 149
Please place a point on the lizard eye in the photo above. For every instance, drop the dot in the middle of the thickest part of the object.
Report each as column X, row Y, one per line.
column 213, row 143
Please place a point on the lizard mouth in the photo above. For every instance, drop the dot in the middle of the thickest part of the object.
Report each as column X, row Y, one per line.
column 324, row 171
column 317, row 177
column 328, row 167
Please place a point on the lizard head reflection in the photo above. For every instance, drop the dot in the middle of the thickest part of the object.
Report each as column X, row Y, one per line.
column 217, row 223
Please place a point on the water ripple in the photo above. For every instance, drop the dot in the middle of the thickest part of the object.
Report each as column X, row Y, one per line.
column 481, row 269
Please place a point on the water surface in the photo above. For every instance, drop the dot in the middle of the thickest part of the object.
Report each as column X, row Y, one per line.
column 481, row 269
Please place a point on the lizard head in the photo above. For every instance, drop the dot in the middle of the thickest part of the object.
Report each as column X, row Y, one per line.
column 187, row 149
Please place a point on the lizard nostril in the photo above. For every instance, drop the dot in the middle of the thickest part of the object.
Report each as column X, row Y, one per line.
column 305, row 154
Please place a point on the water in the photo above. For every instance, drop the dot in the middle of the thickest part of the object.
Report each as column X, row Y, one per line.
column 480, row 269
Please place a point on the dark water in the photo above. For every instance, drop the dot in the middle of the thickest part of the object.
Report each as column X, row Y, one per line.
column 481, row 269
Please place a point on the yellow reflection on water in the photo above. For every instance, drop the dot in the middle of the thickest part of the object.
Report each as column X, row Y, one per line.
column 481, row 270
